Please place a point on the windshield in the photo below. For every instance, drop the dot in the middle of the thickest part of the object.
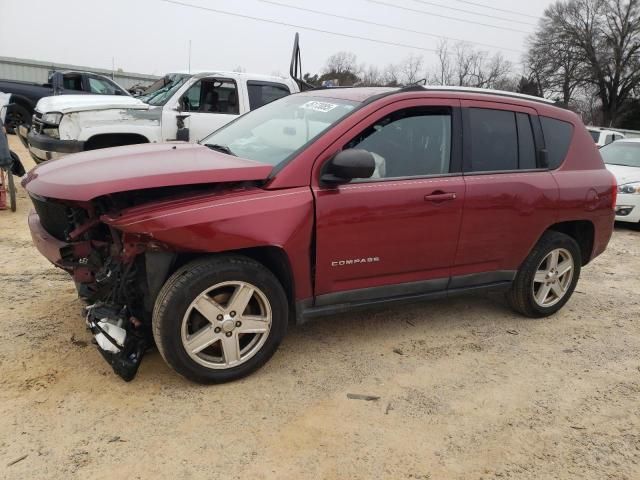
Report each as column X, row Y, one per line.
column 595, row 135
column 271, row 134
column 162, row 90
column 622, row 153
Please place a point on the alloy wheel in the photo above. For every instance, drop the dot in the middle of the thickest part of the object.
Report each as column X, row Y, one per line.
column 553, row 277
column 226, row 325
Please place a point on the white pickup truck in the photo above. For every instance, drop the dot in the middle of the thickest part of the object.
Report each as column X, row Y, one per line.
column 179, row 106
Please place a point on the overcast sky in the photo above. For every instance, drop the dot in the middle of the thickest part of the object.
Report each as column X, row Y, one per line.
column 152, row 36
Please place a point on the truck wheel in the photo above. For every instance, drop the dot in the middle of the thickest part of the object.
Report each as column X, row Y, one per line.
column 16, row 115
column 218, row 319
column 547, row 278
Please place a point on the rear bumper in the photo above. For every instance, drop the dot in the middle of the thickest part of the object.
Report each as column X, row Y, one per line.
column 43, row 148
column 628, row 208
column 47, row 245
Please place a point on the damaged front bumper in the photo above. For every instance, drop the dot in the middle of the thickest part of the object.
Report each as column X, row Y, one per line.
column 42, row 147
column 121, row 338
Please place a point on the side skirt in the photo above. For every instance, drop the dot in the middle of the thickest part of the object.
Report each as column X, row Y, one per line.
column 414, row 292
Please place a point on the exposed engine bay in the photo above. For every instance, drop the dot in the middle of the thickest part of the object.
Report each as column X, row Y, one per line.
column 117, row 274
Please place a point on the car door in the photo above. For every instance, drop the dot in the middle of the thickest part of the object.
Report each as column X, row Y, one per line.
column 396, row 233
column 510, row 197
column 209, row 104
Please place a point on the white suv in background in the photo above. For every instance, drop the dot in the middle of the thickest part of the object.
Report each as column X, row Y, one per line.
column 622, row 158
column 604, row 137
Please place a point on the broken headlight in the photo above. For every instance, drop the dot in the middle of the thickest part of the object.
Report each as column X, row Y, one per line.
column 52, row 118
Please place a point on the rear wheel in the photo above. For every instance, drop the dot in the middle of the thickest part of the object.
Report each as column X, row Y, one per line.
column 548, row 277
column 220, row 318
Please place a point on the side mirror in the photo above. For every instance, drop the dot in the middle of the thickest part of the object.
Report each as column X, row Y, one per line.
column 347, row 165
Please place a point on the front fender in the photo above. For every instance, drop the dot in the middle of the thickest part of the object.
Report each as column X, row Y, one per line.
column 232, row 221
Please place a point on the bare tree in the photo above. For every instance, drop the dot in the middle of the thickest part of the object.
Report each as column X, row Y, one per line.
column 341, row 62
column 444, row 69
column 595, row 42
column 343, row 67
column 370, row 76
column 391, row 75
column 554, row 63
column 462, row 65
column 412, row 69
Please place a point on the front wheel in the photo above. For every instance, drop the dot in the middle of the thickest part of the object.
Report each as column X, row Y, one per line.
column 547, row 278
column 220, row 318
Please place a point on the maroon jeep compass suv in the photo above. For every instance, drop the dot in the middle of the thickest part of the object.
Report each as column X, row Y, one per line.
column 317, row 203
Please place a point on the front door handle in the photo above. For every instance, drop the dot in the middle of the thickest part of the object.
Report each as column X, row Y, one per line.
column 439, row 197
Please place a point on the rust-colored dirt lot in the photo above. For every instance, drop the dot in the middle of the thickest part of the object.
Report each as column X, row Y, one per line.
column 468, row 389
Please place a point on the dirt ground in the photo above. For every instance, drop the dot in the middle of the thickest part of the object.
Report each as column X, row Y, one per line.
column 468, row 390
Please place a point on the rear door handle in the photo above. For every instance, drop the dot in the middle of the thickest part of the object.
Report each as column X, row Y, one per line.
column 439, row 197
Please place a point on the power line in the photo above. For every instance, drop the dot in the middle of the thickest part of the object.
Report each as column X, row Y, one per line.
column 474, row 13
column 497, row 9
column 447, row 17
column 367, row 22
column 302, row 27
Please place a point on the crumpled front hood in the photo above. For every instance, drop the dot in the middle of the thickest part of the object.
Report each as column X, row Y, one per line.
column 88, row 175
column 624, row 174
column 83, row 103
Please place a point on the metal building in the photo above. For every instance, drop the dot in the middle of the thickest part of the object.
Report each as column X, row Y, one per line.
column 36, row 71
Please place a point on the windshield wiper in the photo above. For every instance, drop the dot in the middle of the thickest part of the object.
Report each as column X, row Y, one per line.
column 220, row 148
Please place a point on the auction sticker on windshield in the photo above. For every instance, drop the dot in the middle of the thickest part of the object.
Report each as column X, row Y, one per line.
column 319, row 106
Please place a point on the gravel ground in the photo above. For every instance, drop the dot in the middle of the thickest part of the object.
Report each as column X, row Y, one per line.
column 467, row 389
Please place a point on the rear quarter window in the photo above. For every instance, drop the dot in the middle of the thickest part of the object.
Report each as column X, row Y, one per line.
column 557, row 139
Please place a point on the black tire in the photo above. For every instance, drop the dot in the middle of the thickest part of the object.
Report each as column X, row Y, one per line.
column 16, row 115
column 521, row 295
column 11, row 190
column 184, row 286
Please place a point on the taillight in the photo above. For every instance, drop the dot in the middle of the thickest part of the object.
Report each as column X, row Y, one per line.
column 614, row 192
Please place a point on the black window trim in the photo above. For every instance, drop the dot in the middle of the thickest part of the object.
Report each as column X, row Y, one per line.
column 538, row 138
column 261, row 83
column 455, row 163
column 222, row 79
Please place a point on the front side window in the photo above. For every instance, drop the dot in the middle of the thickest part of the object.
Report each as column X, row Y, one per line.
column 494, row 140
column 163, row 89
column 595, row 135
column 409, row 143
column 101, row 86
column 72, row 82
column 211, row 96
column 274, row 133
column 261, row 93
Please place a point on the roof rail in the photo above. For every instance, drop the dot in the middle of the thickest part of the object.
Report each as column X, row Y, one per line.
column 486, row 91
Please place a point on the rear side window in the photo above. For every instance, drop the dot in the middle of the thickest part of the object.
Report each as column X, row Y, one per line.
column 261, row 93
column 494, row 140
column 557, row 138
